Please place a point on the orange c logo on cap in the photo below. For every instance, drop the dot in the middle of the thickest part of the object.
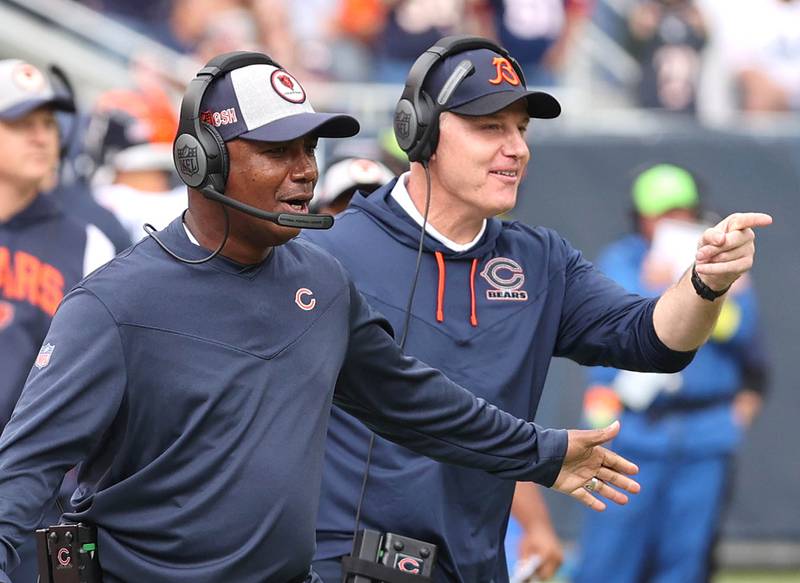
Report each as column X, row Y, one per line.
column 505, row 72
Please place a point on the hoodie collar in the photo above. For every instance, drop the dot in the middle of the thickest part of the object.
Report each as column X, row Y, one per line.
column 401, row 195
column 390, row 216
column 41, row 208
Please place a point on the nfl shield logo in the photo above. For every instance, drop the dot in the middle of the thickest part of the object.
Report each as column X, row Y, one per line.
column 43, row 359
column 187, row 157
column 402, row 123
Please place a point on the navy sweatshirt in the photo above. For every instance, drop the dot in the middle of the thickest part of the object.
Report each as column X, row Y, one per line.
column 199, row 395
column 43, row 253
column 491, row 318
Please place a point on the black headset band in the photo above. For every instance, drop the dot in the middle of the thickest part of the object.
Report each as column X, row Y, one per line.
column 416, row 121
column 60, row 77
column 189, row 122
column 449, row 45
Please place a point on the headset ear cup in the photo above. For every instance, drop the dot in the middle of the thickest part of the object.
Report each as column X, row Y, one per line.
column 217, row 158
column 406, row 125
column 427, row 130
column 190, row 160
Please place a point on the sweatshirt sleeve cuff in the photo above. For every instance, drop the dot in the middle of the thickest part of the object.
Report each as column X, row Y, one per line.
column 659, row 355
column 552, row 450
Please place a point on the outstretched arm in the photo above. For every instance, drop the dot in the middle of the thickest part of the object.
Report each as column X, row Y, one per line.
column 406, row 401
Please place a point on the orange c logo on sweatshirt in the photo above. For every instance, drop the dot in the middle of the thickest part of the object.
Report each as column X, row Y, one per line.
column 24, row 277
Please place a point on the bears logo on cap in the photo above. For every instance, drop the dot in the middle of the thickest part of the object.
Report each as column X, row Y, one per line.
column 28, row 78
column 287, row 86
column 505, row 72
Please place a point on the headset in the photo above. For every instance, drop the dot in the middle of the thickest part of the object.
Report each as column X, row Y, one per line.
column 63, row 87
column 200, row 154
column 416, row 118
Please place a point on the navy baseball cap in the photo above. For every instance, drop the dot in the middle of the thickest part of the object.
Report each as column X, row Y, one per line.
column 266, row 104
column 493, row 86
column 24, row 87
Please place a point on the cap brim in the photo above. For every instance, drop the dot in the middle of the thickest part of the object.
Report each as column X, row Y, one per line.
column 540, row 104
column 25, row 107
column 322, row 125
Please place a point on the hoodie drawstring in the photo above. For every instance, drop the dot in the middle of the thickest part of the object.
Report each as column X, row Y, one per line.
column 473, row 312
column 440, row 291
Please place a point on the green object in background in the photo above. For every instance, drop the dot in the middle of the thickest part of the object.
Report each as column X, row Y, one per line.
column 389, row 143
column 662, row 188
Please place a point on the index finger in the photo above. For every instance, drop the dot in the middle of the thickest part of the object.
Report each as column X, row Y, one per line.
column 741, row 221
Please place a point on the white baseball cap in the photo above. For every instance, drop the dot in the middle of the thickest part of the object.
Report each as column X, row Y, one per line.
column 350, row 173
column 24, row 87
column 265, row 103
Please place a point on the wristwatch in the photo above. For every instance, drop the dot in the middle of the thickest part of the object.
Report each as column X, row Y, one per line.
column 703, row 290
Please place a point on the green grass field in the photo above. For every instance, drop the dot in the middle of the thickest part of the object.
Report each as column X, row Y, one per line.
column 758, row 577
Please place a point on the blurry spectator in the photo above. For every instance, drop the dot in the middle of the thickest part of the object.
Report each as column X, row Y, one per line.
column 189, row 19
column 343, row 178
column 43, row 252
column 148, row 17
column 667, row 37
column 231, row 29
column 682, row 429
column 540, row 33
column 66, row 184
column 130, row 140
column 355, row 29
column 411, row 26
column 277, row 35
column 764, row 55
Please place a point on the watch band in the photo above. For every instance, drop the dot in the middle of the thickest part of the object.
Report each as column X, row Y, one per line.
column 703, row 290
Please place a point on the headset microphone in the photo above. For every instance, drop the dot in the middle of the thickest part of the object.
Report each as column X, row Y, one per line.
column 298, row 220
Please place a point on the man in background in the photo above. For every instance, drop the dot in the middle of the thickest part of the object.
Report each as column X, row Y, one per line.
column 43, row 252
column 683, row 429
column 343, row 178
column 129, row 139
